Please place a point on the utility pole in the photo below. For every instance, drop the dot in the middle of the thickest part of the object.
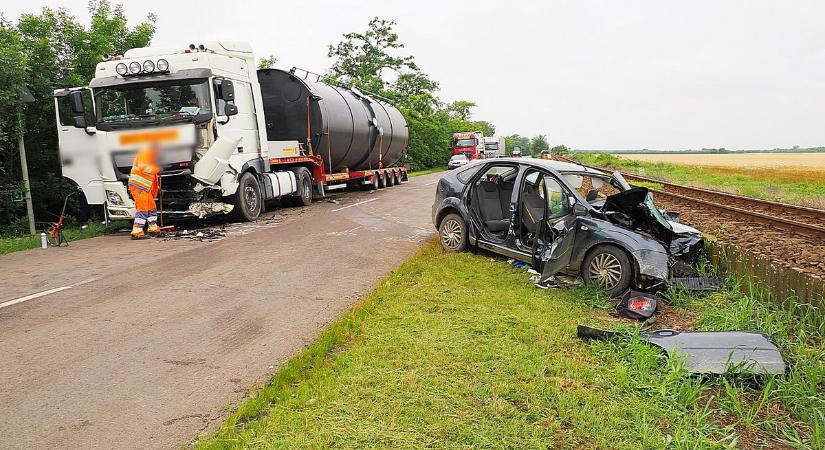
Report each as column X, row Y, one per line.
column 25, row 97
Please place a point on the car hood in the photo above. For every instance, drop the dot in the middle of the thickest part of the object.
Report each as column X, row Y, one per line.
column 637, row 205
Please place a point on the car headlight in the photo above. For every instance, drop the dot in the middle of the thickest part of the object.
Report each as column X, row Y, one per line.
column 114, row 198
column 134, row 67
column 148, row 66
column 121, row 69
column 163, row 65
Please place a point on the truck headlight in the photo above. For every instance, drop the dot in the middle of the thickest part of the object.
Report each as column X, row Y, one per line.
column 148, row 66
column 135, row 67
column 121, row 69
column 114, row 198
column 163, row 65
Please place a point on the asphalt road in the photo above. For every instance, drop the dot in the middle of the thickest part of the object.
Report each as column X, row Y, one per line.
column 112, row 343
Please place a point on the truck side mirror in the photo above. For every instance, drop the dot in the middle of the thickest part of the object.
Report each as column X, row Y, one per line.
column 227, row 91
column 80, row 122
column 77, row 102
column 230, row 109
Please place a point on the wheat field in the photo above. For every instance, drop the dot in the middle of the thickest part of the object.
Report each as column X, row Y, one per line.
column 809, row 161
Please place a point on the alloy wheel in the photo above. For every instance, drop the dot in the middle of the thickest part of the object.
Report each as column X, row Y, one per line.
column 606, row 270
column 451, row 234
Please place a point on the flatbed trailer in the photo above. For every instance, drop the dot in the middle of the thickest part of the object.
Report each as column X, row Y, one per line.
column 377, row 178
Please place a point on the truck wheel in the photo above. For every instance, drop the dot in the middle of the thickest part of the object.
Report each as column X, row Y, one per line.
column 608, row 267
column 452, row 233
column 303, row 180
column 375, row 182
column 390, row 178
column 248, row 200
column 382, row 180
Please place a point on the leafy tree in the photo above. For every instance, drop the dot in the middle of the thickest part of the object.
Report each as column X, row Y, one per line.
column 560, row 150
column 268, row 62
column 361, row 59
column 516, row 141
column 47, row 51
column 539, row 144
column 460, row 109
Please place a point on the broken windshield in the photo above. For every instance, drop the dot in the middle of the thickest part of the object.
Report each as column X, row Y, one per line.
column 167, row 100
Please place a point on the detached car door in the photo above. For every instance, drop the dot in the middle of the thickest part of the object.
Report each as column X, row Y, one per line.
column 555, row 234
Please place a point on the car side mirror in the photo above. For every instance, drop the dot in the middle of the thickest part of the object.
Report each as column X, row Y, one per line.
column 230, row 109
column 579, row 210
column 76, row 98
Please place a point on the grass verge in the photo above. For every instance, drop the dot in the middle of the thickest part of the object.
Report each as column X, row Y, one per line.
column 15, row 244
column 460, row 350
column 789, row 185
column 427, row 171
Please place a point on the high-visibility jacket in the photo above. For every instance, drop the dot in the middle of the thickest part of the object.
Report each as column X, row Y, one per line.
column 144, row 174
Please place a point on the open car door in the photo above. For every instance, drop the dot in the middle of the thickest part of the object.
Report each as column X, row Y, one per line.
column 79, row 160
column 555, row 234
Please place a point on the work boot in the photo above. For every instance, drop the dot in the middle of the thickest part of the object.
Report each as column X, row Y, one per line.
column 137, row 233
column 153, row 228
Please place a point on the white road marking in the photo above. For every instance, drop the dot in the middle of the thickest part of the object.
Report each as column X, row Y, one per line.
column 434, row 182
column 44, row 293
column 355, row 204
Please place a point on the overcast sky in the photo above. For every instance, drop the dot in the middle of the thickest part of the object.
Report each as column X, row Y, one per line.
column 613, row 74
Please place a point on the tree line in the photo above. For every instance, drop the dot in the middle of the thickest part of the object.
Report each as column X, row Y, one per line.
column 53, row 50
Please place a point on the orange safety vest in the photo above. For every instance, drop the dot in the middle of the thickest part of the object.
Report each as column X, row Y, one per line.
column 144, row 174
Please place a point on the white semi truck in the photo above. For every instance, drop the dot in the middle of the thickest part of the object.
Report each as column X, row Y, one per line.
column 493, row 146
column 232, row 136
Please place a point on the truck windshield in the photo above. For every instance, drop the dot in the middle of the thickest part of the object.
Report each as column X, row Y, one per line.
column 154, row 101
column 460, row 143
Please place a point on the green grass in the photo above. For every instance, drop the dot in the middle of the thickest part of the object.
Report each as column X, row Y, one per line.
column 789, row 185
column 427, row 171
column 9, row 244
column 460, row 350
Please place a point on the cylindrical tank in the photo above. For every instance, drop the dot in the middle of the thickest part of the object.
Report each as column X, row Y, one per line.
column 348, row 129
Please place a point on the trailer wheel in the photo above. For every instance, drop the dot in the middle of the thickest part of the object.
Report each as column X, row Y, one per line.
column 397, row 177
column 248, row 200
column 390, row 178
column 304, row 183
column 382, row 180
column 375, row 183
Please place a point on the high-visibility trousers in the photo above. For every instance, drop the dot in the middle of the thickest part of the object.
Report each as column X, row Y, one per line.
column 145, row 209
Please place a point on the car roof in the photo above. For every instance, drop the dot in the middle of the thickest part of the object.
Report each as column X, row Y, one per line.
column 558, row 166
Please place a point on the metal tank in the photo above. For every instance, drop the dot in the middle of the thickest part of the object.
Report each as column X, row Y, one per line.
column 348, row 129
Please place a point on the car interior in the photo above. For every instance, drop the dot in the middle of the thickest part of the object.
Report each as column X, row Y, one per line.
column 533, row 202
column 491, row 196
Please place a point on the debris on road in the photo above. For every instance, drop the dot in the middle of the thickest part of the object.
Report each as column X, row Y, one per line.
column 203, row 235
column 703, row 352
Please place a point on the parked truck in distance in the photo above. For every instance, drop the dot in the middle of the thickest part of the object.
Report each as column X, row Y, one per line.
column 468, row 143
column 493, row 146
column 232, row 136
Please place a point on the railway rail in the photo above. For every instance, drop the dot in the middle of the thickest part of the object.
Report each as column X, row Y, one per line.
column 805, row 221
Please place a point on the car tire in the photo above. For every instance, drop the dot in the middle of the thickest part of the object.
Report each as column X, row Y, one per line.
column 248, row 200
column 609, row 267
column 452, row 233
column 303, row 181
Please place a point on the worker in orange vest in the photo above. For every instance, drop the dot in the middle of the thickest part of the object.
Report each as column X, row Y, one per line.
column 143, row 185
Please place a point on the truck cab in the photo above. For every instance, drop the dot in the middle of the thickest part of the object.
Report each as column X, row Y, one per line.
column 470, row 144
column 201, row 104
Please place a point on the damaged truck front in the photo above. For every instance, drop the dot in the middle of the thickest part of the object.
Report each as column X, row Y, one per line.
column 201, row 105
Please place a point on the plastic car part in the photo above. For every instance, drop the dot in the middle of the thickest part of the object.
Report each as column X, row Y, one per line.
column 716, row 352
column 637, row 305
column 697, row 283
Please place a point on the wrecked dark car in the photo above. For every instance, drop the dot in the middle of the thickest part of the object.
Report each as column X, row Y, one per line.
column 564, row 219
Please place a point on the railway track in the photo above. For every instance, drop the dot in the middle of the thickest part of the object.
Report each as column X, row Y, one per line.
column 808, row 222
